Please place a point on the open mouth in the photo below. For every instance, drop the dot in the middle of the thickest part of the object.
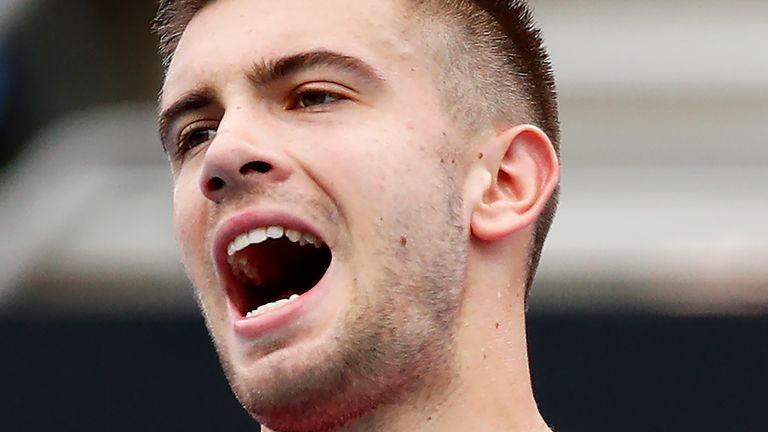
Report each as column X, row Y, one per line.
column 273, row 266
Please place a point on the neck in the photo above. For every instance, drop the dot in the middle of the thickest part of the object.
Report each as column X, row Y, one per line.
column 490, row 386
column 490, row 389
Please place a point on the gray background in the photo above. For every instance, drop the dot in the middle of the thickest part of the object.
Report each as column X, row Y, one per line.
column 664, row 154
column 653, row 291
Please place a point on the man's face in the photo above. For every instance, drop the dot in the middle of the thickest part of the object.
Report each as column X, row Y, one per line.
column 322, row 118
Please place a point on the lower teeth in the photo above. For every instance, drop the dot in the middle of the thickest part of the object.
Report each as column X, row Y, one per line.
column 269, row 306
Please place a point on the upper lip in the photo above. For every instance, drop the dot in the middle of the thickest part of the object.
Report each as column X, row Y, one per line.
column 247, row 221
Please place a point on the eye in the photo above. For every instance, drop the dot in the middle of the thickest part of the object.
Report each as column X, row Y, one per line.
column 196, row 137
column 315, row 98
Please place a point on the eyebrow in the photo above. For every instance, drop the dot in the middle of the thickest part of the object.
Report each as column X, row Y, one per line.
column 266, row 72
column 262, row 74
column 193, row 101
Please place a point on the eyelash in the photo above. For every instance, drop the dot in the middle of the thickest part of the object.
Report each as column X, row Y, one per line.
column 295, row 99
column 293, row 104
column 182, row 145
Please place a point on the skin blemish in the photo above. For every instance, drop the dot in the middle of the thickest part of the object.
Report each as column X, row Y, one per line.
column 403, row 241
column 480, row 156
column 498, row 325
column 485, row 356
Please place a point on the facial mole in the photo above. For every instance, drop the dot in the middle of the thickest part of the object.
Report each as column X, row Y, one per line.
column 403, row 241
column 480, row 155
column 498, row 325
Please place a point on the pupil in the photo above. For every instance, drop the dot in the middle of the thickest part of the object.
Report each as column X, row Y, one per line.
column 316, row 98
column 200, row 137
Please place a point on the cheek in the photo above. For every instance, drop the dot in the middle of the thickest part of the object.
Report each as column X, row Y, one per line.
column 382, row 167
column 394, row 175
column 377, row 159
column 189, row 219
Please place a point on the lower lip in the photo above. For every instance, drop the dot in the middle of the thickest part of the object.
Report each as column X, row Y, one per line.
column 283, row 316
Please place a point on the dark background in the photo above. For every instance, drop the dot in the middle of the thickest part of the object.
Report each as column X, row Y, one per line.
column 591, row 373
column 650, row 319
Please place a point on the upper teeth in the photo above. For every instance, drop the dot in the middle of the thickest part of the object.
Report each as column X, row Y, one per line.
column 259, row 235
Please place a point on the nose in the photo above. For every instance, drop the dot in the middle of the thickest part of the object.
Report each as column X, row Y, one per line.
column 234, row 165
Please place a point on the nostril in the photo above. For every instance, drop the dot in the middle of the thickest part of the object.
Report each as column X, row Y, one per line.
column 215, row 184
column 258, row 166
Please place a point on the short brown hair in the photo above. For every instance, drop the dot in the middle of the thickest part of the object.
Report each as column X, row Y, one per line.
column 491, row 52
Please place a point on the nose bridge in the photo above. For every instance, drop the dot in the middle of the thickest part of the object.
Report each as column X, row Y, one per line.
column 243, row 153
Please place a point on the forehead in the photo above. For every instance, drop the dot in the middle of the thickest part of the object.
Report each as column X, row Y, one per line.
column 228, row 35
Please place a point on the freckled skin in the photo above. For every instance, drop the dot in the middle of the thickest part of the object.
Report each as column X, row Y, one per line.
column 390, row 303
column 398, row 340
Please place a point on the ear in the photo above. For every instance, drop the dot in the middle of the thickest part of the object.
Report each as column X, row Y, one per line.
column 524, row 172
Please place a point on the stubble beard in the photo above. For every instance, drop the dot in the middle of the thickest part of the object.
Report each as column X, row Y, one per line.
column 395, row 343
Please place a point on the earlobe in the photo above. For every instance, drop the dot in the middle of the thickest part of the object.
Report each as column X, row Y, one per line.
column 525, row 173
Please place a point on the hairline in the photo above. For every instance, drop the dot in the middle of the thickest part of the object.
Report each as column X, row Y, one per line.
column 478, row 117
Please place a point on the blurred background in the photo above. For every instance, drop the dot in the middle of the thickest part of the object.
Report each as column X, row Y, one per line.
column 650, row 310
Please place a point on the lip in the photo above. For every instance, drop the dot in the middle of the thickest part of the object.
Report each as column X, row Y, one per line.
column 256, row 326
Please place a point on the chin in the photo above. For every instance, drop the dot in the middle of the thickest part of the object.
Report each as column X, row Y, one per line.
column 332, row 381
column 287, row 395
